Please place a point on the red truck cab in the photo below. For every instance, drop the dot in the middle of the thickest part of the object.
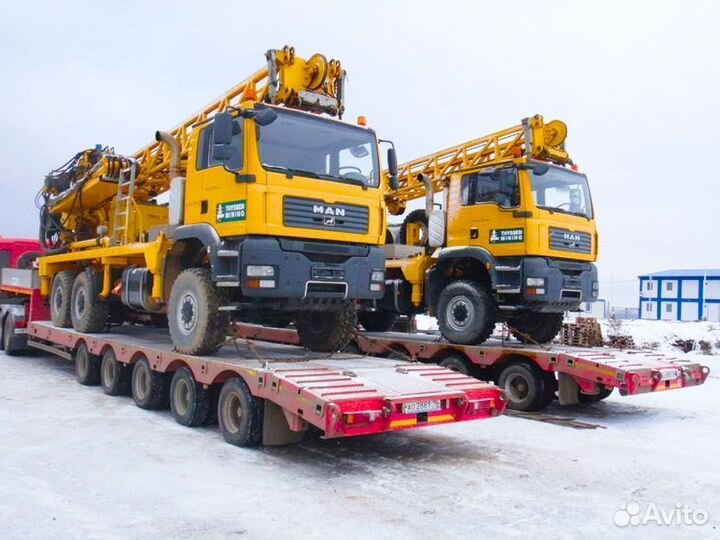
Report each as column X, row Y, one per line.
column 18, row 252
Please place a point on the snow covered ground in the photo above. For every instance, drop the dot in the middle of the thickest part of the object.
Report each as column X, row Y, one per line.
column 78, row 464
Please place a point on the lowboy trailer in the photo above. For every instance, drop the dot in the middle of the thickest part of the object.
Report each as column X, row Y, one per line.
column 264, row 393
column 532, row 376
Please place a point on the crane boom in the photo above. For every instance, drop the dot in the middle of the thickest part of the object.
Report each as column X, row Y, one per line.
column 532, row 138
column 314, row 85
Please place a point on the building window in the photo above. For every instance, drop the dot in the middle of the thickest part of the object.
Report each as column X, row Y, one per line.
column 649, row 285
column 648, row 307
column 669, row 286
column 668, row 308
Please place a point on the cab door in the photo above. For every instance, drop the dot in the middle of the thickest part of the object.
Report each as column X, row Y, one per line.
column 216, row 191
column 496, row 218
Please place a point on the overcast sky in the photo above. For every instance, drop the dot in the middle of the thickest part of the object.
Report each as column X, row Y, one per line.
column 638, row 84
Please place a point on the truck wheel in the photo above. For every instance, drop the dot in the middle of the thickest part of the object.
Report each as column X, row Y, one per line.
column 114, row 375
column 189, row 401
column 149, row 388
column 419, row 218
column 326, row 331
column 60, row 294
column 594, row 398
column 523, row 385
column 377, row 321
column 240, row 415
column 12, row 343
column 197, row 326
column 466, row 313
column 536, row 327
column 87, row 366
column 88, row 312
column 455, row 362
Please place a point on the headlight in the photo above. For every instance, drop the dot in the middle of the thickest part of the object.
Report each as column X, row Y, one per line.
column 377, row 276
column 259, row 271
column 535, row 282
column 595, row 288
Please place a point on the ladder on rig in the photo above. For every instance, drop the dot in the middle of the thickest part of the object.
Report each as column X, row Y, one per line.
column 532, row 138
column 124, row 202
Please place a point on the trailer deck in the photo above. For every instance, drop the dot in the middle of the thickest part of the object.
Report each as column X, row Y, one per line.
column 342, row 395
column 582, row 373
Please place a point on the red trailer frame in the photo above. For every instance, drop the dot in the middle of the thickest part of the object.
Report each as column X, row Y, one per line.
column 577, row 374
column 290, row 393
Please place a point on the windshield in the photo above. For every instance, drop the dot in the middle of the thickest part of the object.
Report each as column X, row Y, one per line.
column 320, row 148
column 562, row 190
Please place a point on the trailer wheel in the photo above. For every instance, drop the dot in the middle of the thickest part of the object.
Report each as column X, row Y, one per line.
column 524, row 386
column 466, row 313
column 60, row 294
column 114, row 375
column 88, row 312
column 240, row 415
column 455, row 362
column 531, row 327
column 149, row 388
column 594, row 398
column 12, row 343
column 197, row 326
column 326, row 331
column 189, row 401
column 87, row 366
column 377, row 321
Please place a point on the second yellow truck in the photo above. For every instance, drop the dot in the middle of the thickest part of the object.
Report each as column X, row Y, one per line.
column 515, row 240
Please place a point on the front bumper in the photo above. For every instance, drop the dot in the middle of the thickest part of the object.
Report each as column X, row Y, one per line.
column 566, row 284
column 308, row 270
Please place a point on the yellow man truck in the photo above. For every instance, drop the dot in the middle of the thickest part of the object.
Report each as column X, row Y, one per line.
column 515, row 240
column 261, row 207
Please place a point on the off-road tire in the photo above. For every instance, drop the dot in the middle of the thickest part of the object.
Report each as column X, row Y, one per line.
column 240, row 414
column 60, row 295
column 377, row 321
column 531, row 327
column 87, row 366
column 197, row 326
column 189, row 401
column 466, row 313
column 456, row 362
column 114, row 375
column 414, row 217
column 88, row 311
column 524, row 386
column 326, row 331
column 150, row 389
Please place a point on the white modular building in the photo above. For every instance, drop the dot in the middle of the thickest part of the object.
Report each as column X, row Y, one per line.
column 680, row 295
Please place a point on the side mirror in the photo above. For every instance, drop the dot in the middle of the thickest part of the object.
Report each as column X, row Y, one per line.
column 393, row 168
column 265, row 116
column 222, row 129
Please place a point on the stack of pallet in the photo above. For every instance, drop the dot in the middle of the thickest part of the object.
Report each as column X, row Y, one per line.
column 584, row 332
column 621, row 342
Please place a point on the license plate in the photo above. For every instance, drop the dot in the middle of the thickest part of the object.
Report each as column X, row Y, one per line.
column 669, row 374
column 415, row 407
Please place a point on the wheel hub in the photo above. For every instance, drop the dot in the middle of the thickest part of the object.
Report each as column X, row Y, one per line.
column 460, row 313
column 80, row 302
column 517, row 387
column 233, row 413
column 188, row 313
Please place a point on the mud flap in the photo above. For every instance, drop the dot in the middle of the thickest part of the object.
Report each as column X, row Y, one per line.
column 276, row 429
column 567, row 390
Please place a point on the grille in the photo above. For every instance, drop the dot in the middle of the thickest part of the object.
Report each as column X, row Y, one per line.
column 565, row 240
column 314, row 214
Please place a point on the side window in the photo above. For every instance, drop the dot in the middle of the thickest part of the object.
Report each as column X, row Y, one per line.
column 205, row 159
column 500, row 187
column 668, row 308
column 669, row 286
column 649, row 285
column 4, row 258
column 648, row 307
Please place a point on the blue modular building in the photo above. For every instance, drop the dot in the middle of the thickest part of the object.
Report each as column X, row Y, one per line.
column 680, row 295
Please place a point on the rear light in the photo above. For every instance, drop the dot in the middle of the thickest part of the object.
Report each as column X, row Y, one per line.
column 535, row 291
